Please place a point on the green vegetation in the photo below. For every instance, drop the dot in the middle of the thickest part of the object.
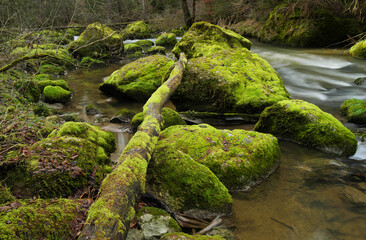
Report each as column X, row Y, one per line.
column 139, row 79
column 56, row 94
column 166, row 39
column 354, row 110
column 359, row 50
column 306, row 124
column 136, row 30
column 156, row 50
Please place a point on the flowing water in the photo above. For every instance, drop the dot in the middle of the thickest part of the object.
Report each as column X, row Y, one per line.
column 312, row 195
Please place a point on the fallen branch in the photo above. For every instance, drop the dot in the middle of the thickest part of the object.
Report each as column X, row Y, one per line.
column 111, row 214
column 91, row 43
column 216, row 222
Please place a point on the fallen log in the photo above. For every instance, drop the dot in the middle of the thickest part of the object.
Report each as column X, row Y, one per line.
column 110, row 215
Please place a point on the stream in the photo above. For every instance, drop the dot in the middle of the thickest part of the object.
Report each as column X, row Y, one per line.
column 312, row 195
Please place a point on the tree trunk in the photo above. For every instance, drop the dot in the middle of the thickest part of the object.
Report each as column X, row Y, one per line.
column 194, row 10
column 188, row 20
column 110, row 215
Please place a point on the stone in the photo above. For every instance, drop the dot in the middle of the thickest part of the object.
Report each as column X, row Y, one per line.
column 56, row 94
column 136, row 30
column 166, row 39
column 359, row 50
column 123, row 116
column 354, row 110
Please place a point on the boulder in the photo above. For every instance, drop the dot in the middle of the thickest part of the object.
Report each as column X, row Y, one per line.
column 166, row 39
column 145, row 43
column 97, row 41
column 232, row 80
column 60, row 82
column 136, row 30
column 132, row 48
column 170, row 118
column 203, row 39
column 43, row 219
column 156, row 50
column 359, row 50
column 360, row 81
column 354, row 110
column 123, row 116
column 305, row 123
column 56, row 94
column 51, row 69
column 91, row 110
column 238, row 158
column 138, row 79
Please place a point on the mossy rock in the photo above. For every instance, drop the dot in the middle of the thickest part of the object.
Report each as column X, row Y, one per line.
column 132, row 48
column 170, row 118
column 204, row 39
column 354, row 110
column 139, row 79
column 123, row 116
column 166, row 39
column 238, row 158
column 89, row 62
column 185, row 236
column 60, row 82
column 155, row 222
column 42, row 219
column 359, row 50
column 185, row 184
column 145, row 43
column 51, row 69
column 29, row 89
column 5, row 195
column 233, row 80
column 156, row 50
column 305, row 123
column 136, row 30
column 40, row 77
column 58, row 55
column 91, row 110
column 56, row 94
column 86, row 131
column 111, row 46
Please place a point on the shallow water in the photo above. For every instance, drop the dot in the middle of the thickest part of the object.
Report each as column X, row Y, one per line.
column 306, row 198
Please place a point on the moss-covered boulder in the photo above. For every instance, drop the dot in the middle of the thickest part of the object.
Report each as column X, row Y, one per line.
column 145, row 43
column 139, row 79
column 354, row 110
column 51, row 69
column 203, row 39
column 166, row 39
column 136, row 30
column 60, row 82
column 156, row 50
column 170, row 118
column 359, row 50
column 123, row 116
column 72, row 158
column 89, row 62
column 305, row 123
column 54, row 94
column 42, row 219
column 132, row 48
column 185, row 236
column 97, row 41
column 232, row 80
column 238, row 158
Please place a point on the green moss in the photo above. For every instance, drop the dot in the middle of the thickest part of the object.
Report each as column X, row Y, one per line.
column 136, row 30
column 156, row 213
column 41, row 219
column 41, row 109
column 305, row 123
column 56, row 94
column 29, row 89
column 139, row 79
column 359, row 50
column 89, row 62
column 145, row 43
column 60, row 82
column 233, row 80
column 166, row 39
column 156, row 50
column 355, row 110
column 238, row 158
column 40, row 77
column 89, row 42
column 5, row 195
column 124, row 115
column 170, row 118
column 51, row 69
column 204, row 38
column 184, row 236
column 104, row 139
column 132, row 48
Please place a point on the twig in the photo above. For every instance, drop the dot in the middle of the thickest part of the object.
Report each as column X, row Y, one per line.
column 96, row 41
column 286, row 225
column 216, row 222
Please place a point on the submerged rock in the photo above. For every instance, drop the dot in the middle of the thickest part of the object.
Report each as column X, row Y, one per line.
column 356, row 197
column 359, row 50
column 354, row 110
column 136, row 30
column 238, row 158
column 123, row 116
column 306, row 124
column 139, row 79
column 203, row 39
column 232, row 80
column 97, row 41
column 166, row 39
column 43, row 219
column 91, row 110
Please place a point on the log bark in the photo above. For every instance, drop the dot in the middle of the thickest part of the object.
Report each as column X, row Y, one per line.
column 110, row 215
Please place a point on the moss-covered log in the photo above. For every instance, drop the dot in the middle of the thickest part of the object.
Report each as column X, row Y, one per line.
column 110, row 216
